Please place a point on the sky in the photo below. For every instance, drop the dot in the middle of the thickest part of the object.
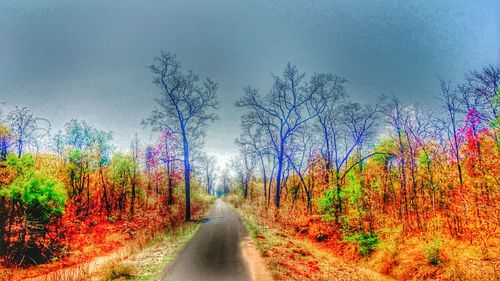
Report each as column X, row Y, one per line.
column 88, row 59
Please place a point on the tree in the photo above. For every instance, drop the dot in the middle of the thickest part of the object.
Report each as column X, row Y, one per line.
column 166, row 152
column 449, row 97
column 101, row 153
column 287, row 106
column 5, row 140
column 134, row 172
column 225, row 182
column 302, row 156
column 36, row 201
column 244, row 166
column 345, row 126
column 122, row 173
column 27, row 130
column 255, row 141
column 84, row 149
column 209, row 167
column 5, row 136
column 184, row 107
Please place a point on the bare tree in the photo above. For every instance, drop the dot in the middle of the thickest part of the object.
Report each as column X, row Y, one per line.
column 167, row 151
column 244, row 166
column 225, row 182
column 345, row 127
column 5, row 135
column 302, row 155
column 287, row 106
column 482, row 86
column 27, row 130
column 255, row 142
column 134, row 171
column 208, row 165
column 184, row 107
column 451, row 101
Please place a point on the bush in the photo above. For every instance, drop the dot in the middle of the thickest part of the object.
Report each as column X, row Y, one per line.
column 118, row 270
column 366, row 241
column 36, row 201
column 432, row 254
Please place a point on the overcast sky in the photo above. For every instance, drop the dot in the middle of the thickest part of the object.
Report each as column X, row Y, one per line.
column 87, row 59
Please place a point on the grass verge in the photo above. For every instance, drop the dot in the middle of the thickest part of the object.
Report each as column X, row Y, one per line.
column 291, row 258
column 149, row 263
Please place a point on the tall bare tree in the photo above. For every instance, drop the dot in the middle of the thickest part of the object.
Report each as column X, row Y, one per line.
column 287, row 106
column 185, row 106
column 451, row 101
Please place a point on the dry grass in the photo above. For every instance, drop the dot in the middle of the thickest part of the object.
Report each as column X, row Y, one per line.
column 166, row 242
column 117, row 270
column 426, row 256
column 289, row 258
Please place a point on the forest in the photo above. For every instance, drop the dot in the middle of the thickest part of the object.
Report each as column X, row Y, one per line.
column 375, row 181
column 369, row 182
column 70, row 196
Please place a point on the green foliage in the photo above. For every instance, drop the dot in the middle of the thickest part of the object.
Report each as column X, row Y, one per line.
column 353, row 191
column 385, row 145
column 121, row 168
column 431, row 252
column 496, row 123
column 20, row 164
column 366, row 241
column 326, row 205
column 43, row 196
column 423, row 158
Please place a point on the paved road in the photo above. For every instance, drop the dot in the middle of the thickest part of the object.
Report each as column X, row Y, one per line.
column 214, row 252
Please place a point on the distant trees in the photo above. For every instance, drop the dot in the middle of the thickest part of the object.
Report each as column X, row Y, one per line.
column 84, row 150
column 123, row 174
column 184, row 107
column 244, row 166
column 5, row 135
column 26, row 129
column 208, row 167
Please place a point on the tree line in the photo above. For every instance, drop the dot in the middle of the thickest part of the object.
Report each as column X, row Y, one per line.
column 56, row 185
column 361, row 166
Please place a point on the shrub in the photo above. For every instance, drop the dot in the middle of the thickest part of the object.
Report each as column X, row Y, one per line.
column 366, row 241
column 36, row 201
column 432, row 254
column 118, row 270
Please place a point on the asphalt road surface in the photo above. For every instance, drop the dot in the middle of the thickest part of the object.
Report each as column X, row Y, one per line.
column 214, row 253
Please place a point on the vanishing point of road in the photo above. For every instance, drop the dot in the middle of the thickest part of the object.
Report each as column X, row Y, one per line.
column 214, row 253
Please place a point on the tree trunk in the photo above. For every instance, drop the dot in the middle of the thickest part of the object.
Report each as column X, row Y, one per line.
column 105, row 193
column 187, row 179
column 278, row 177
column 170, row 187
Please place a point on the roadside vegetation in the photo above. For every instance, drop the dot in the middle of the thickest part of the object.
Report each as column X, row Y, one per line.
column 71, row 199
column 406, row 190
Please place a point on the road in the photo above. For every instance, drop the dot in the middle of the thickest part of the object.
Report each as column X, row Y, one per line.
column 214, row 253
